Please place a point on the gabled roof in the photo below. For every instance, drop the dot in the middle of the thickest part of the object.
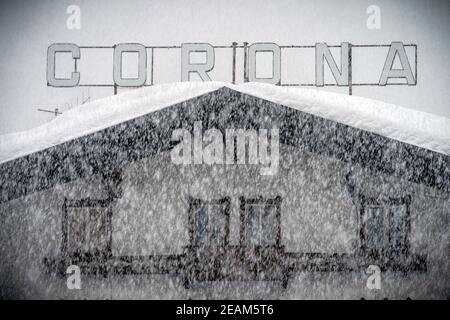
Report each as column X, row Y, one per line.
column 414, row 127
column 104, row 134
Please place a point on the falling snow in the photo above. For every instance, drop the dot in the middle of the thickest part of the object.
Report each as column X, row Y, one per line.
column 339, row 157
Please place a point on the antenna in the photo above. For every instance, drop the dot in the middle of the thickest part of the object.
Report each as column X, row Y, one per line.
column 56, row 111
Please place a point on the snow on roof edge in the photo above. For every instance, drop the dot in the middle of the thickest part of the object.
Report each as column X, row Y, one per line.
column 422, row 129
column 99, row 114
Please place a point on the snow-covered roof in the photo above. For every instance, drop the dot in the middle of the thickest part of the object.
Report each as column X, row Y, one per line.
column 414, row 127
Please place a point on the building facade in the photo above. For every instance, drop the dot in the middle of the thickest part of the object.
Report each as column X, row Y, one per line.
column 138, row 225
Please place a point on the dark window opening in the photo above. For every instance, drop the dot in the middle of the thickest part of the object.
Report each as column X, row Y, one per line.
column 87, row 228
column 260, row 222
column 385, row 225
column 375, row 232
column 209, row 222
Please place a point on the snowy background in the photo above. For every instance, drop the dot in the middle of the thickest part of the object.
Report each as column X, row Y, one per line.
column 27, row 28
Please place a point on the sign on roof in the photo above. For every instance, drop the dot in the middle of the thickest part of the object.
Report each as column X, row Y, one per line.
column 344, row 65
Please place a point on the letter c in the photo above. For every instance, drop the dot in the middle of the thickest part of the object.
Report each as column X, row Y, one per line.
column 52, row 81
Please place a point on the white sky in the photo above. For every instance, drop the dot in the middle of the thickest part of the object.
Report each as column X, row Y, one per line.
column 27, row 28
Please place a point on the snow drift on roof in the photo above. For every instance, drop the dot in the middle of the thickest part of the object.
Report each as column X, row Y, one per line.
column 414, row 127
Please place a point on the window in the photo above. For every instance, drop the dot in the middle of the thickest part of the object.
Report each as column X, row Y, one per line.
column 375, row 227
column 87, row 227
column 260, row 222
column 209, row 222
column 385, row 225
column 397, row 227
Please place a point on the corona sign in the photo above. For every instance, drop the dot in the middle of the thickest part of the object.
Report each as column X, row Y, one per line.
column 342, row 73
